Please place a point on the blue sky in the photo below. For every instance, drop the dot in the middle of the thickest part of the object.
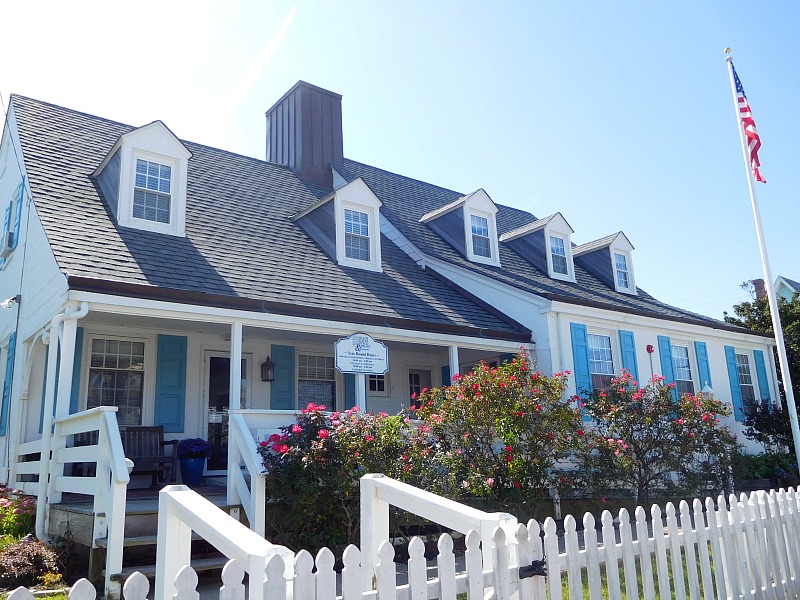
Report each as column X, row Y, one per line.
column 619, row 115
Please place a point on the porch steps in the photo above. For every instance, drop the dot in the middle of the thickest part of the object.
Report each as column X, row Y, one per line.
column 198, row 564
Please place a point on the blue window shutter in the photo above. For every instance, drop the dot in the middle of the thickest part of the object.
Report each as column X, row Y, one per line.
column 667, row 368
column 733, row 377
column 75, row 393
column 761, row 372
column 12, row 342
column 580, row 358
column 446, row 375
column 170, row 404
column 281, row 394
column 703, row 367
column 628, row 346
column 6, row 226
column 349, row 390
column 20, row 195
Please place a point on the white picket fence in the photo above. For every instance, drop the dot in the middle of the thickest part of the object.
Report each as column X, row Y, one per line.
column 745, row 549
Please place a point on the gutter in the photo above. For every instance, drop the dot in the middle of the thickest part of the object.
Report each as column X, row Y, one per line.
column 42, row 514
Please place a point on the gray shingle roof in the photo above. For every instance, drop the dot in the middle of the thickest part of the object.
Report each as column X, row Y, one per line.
column 594, row 245
column 792, row 283
column 405, row 200
column 240, row 239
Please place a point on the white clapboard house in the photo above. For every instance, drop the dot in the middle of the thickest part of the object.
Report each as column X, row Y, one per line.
column 147, row 279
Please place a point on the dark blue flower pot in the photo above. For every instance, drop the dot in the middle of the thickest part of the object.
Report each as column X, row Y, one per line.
column 192, row 471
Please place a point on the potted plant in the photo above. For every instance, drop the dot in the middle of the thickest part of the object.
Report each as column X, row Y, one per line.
column 193, row 452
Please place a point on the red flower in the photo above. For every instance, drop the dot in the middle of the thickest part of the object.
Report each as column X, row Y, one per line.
column 424, row 390
column 475, row 386
column 508, row 448
column 323, row 433
column 580, row 432
column 370, row 438
column 273, row 438
column 509, row 458
column 520, row 413
column 517, row 484
column 264, row 444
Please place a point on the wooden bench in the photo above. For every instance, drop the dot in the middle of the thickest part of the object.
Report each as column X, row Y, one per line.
column 145, row 446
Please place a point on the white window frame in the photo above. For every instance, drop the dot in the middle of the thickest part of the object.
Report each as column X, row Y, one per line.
column 359, row 235
column 148, row 374
column 337, row 392
column 751, row 363
column 692, row 364
column 356, row 196
column 612, row 349
column 558, row 227
column 631, row 289
column 494, row 256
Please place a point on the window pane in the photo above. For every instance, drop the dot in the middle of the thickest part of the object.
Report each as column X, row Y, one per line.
column 113, row 381
column 622, row 270
column 480, row 236
column 153, row 205
column 680, row 362
column 600, row 359
column 559, row 255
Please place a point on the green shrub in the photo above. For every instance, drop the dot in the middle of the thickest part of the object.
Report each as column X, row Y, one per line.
column 646, row 442
column 493, row 438
column 26, row 562
column 17, row 513
column 766, row 466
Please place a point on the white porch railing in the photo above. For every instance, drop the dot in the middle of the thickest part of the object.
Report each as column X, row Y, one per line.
column 379, row 491
column 246, row 483
column 182, row 511
column 108, row 486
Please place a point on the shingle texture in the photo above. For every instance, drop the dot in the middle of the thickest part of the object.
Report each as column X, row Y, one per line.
column 240, row 239
column 405, row 200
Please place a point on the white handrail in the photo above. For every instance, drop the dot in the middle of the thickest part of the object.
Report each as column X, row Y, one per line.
column 254, row 497
column 109, row 484
column 181, row 511
column 379, row 491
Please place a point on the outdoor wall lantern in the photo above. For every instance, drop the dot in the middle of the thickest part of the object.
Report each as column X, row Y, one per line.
column 268, row 370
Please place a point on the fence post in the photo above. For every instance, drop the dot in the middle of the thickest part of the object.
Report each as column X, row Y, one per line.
column 374, row 526
column 174, row 544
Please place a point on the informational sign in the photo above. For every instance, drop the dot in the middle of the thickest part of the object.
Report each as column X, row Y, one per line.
column 359, row 353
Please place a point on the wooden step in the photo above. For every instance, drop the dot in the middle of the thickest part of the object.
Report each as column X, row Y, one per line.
column 149, row 571
column 140, row 540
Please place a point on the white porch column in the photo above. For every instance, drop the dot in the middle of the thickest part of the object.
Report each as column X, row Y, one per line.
column 453, row 352
column 235, row 398
column 361, row 392
column 68, row 331
column 235, row 403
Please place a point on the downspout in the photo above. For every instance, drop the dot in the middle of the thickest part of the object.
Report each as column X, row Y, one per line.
column 47, row 424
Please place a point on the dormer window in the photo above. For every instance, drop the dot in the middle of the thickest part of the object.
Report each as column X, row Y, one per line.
column 546, row 244
column 621, row 266
column 143, row 179
column 347, row 225
column 356, row 234
column 468, row 224
column 558, row 255
column 151, row 192
column 480, row 236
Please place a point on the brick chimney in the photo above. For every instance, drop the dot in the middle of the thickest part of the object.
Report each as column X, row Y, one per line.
column 758, row 288
column 304, row 132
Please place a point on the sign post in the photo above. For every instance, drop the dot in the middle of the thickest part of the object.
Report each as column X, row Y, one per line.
column 361, row 355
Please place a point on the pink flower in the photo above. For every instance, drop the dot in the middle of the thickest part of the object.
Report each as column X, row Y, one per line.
column 475, row 386
column 323, row 433
column 273, row 438
column 296, row 429
column 370, row 438
column 263, row 444
column 681, row 421
column 512, row 378
column 424, row 390
column 490, row 481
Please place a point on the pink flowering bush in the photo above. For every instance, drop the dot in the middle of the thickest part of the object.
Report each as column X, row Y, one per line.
column 313, row 468
column 498, row 434
column 641, row 439
column 17, row 513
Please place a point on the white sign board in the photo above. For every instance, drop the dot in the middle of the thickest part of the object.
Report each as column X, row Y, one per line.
column 359, row 353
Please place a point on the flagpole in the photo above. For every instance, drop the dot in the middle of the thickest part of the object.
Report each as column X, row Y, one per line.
column 768, row 282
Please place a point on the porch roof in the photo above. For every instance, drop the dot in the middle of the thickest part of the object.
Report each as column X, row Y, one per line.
column 241, row 247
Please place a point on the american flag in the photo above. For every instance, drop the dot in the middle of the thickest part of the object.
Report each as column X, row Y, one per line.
column 749, row 124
